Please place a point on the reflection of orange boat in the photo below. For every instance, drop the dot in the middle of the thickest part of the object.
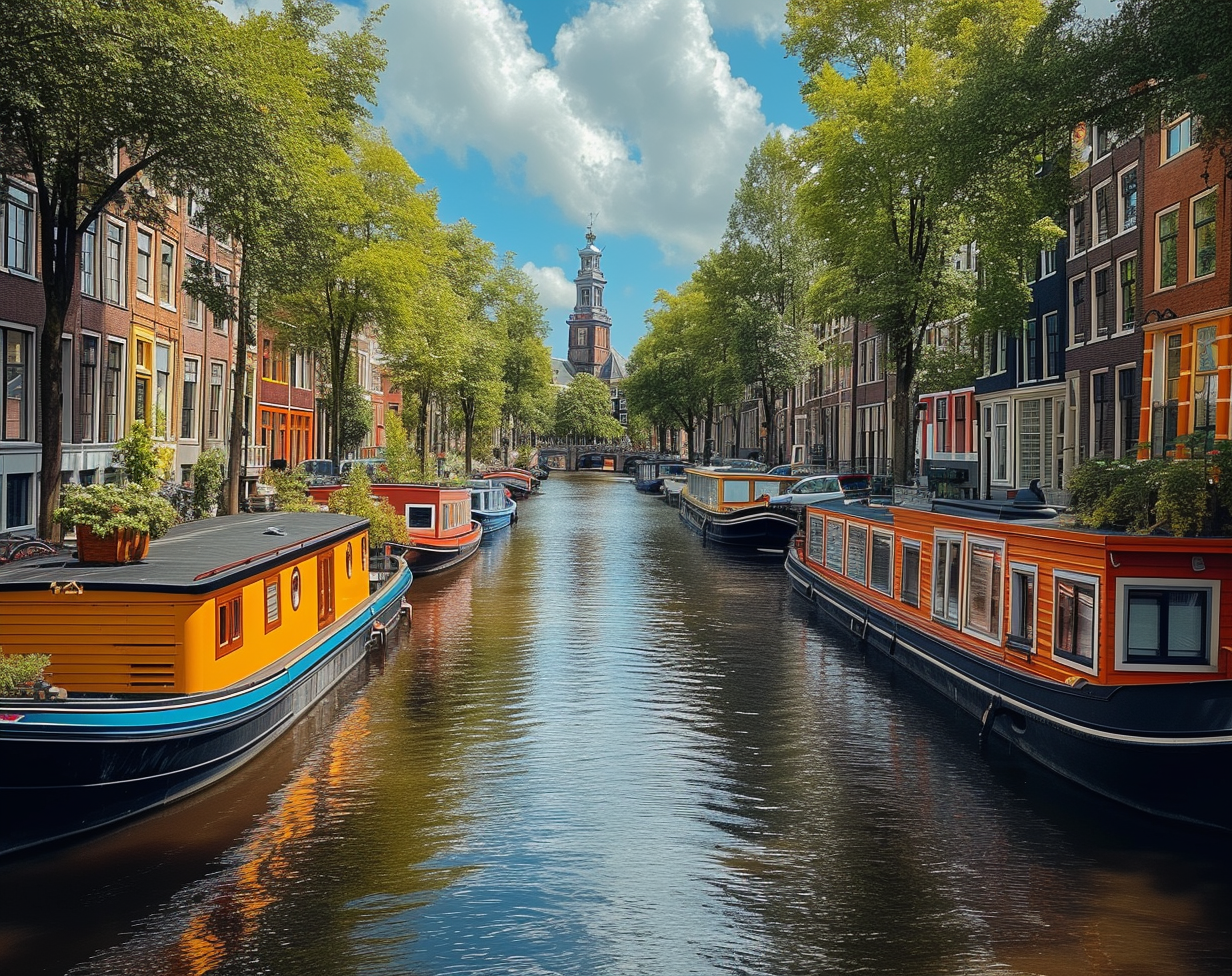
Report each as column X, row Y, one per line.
column 1103, row 656
column 438, row 519
column 179, row 668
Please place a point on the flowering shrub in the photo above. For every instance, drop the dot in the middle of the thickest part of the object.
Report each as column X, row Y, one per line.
column 106, row 508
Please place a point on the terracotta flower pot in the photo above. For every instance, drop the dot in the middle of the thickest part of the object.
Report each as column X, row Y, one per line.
column 121, row 546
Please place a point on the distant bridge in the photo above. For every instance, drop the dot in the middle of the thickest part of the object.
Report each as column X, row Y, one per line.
column 588, row 457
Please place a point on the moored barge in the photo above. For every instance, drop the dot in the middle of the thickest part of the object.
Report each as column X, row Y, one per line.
column 728, row 508
column 1103, row 656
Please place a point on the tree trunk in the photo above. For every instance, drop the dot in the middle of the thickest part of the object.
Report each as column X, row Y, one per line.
column 51, row 416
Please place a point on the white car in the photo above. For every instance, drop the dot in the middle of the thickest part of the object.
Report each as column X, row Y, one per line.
column 824, row 488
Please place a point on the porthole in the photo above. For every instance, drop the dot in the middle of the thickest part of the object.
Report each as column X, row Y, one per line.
column 350, row 559
column 295, row 588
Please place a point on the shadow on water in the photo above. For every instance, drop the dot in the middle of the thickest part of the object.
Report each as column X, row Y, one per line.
column 602, row 748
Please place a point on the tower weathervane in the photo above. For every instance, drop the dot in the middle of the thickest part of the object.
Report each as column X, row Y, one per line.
column 590, row 229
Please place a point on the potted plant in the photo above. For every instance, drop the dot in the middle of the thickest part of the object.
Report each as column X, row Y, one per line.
column 114, row 523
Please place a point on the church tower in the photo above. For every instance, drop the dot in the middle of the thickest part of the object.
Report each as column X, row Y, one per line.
column 589, row 324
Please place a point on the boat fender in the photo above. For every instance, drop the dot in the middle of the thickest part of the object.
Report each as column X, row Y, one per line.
column 991, row 712
column 405, row 610
column 376, row 638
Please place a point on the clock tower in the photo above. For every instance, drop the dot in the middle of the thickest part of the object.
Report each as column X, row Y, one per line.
column 589, row 324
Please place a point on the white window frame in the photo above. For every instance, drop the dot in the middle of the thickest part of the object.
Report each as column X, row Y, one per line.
column 1111, row 228
column 28, row 262
column 1159, row 251
column 914, row 545
column 949, row 538
column 1076, row 316
column 884, row 537
column 1193, row 236
column 1094, row 333
column 120, row 297
column 194, row 308
column 1018, row 641
column 1124, row 259
column 1072, row 662
column 145, row 257
column 431, row 510
column 89, row 260
column 997, row 592
column 1212, row 586
column 172, row 277
column 1183, row 124
column 853, row 530
column 1123, row 209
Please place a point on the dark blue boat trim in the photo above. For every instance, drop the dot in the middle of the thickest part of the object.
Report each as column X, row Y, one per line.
column 760, row 533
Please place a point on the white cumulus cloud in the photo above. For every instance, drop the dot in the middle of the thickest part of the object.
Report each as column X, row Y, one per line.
column 555, row 290
column 763, row 17
column 637, row 116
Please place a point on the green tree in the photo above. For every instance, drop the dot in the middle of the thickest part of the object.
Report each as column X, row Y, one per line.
column 160, row 80
column 529, row 396
column 400, row 464
column 759, row 281
column 584, row 410
column 892, row 191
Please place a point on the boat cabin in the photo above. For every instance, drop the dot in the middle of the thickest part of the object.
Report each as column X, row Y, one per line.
column 726, row 490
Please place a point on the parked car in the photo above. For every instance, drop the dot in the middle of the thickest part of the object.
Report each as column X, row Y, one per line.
column 371, row 465
column 738, row 464
column 320, row 471
column 799, row 470
column 824, row 488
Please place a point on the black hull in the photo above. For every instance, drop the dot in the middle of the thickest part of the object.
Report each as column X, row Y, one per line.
column 1161, row 749
column 64, row 782
column 752, row 533
column 435, row 559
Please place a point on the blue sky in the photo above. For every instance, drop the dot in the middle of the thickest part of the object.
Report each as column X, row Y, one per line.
column 528, row 118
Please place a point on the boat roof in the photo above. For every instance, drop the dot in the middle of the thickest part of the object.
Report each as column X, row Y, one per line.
column 195, row 557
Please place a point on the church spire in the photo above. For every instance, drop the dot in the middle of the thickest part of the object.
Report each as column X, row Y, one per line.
column 589, row 323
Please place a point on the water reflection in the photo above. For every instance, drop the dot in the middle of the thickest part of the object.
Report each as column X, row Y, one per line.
column 604, row 749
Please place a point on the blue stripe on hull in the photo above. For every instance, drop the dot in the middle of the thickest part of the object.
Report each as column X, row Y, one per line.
column 78, row 766
column 1162, row 749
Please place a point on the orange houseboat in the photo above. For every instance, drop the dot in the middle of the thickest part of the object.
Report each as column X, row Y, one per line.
column 730, row 508
column 171, row 672
column 438, row 518
column 1100, row 655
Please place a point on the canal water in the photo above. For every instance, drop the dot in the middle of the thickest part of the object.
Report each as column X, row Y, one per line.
column 604, row 749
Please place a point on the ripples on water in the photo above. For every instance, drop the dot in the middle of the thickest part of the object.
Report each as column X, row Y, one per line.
column 604, row 749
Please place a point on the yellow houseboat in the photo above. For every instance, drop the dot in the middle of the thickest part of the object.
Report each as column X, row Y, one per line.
column 171, row 672
column 1102, row 655
column 729, row 507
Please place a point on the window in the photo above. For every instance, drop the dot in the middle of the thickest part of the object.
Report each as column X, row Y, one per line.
column 1105, row 139
column 273, row 603
column 1077, row 300
column 19, row 230
column 1048, row 261
column 909, row 575
column 1179, row 136
column 111, row 391
column 984, row 586
column 1052, row 335
column 295, row 588
column 188, row 410
column 194, row 306
column 1129, row 199
column 230, row 623
column 301, row 370
column 940, row 426
column 1029, row 368
column 420, row 516
column 216, row 383
column 834, row 545
column 1022, row 607
column 350, row 559
column 325, row 589
column 113, row 264
column 947, row 563
column 1167, row 249
column 162, row 391
column 145, row 242
column 1105, row 213
column 857, row 552
column 1103, row 418
column 870, row 361
column 1160, row 624
column 17, row 500
column 1127, row 297
column 1203, row 257
column 882, row 575
column 18, row 396
column 960, row 425
column 1078, row 228
column 1205, row 380
column 87, row 386
column 89, row 260
column 1128, row 393
column 166, row 274
column 585, row 299
column 1035, row 445
column 1074, row 637
column 581, row 337
column 1000, row 439
column 1105, row 301
column 223, row 278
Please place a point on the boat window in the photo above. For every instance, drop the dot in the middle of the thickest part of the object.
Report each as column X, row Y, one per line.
column 1165, row 625
column 834, row 544
column 420, row 516
column 296, row 588
column 947, row 560
column 350, row 560
column 909, row 577
column 1022, row 607
column 857, row 544
column 984, row 588
column 816, row 538
column 735, row 491
column 273, row 603
column 770, row 488
column 230, row 611
column 325, row 589
column 1074, row 637
column 882, row 575
column 363, row 552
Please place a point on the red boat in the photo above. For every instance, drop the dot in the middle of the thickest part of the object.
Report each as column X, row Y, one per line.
column 522, row 483
column 437, row 517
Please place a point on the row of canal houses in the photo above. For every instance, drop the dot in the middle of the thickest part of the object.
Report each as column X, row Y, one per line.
column 137, row 347
column 1126, row 349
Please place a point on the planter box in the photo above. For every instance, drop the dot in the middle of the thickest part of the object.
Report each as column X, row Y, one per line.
column 122, row 546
